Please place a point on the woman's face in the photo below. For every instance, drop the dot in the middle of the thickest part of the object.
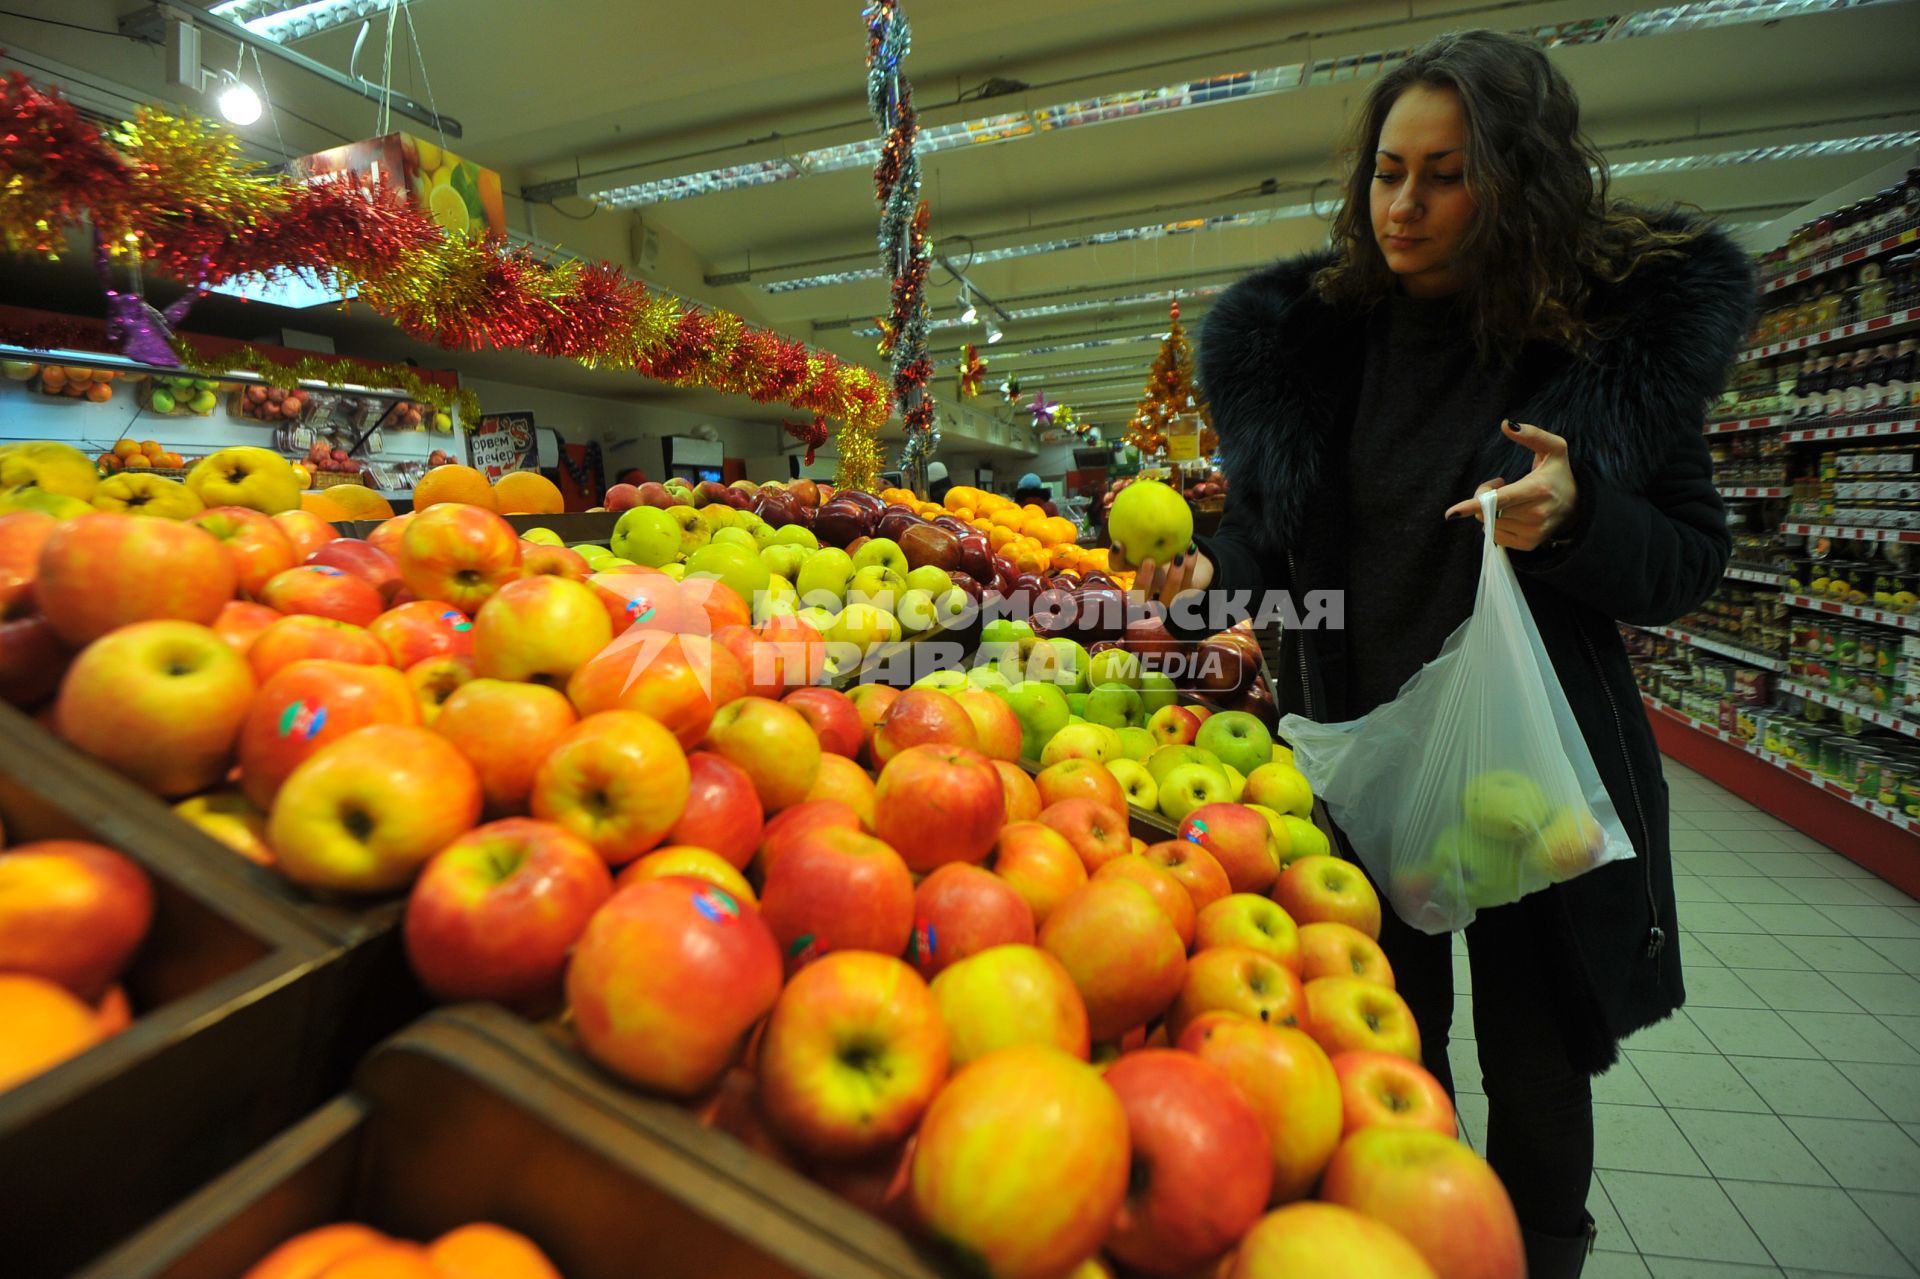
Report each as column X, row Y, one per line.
column 1421, row 204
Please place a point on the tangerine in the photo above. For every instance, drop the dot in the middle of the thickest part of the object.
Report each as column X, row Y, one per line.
column 453, row 483
column 527, row 493
column 360, row 502
column 486, row 1251
column 45, row 1026
column 310, row 1253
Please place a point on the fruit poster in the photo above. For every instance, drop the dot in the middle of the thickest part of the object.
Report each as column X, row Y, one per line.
column 504, row 442
column 460, row 195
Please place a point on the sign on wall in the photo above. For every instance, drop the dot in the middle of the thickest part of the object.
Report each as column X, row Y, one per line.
column 504, row 442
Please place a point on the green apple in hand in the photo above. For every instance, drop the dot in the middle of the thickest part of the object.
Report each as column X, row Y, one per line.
column 1149, row 521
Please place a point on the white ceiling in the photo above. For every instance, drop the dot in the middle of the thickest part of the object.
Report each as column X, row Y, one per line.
column 629, row 92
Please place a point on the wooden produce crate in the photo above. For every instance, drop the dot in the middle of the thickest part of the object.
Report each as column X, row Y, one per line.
column 475, row 1114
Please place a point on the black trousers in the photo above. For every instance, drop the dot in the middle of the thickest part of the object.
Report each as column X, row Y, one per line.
column 1539, row 1105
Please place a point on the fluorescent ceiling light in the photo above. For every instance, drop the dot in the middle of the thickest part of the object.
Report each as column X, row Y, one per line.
column 1068, row 308
column 1187, row 95
column 286, row 22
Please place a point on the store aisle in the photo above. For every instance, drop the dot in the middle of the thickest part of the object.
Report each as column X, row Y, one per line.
column 1772, row 1127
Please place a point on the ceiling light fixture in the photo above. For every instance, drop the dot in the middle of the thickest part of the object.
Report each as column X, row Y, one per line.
column 237, row 101
column 968, row 311
column 1210, row 91
column 994, row 333
column 286, row 22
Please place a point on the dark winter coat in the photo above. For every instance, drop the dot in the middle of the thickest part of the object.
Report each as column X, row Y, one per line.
column 1648, row 543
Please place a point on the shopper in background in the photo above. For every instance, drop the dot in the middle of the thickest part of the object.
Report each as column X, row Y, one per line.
column 1030, row 489
column 1489, row 318
column 937, row 482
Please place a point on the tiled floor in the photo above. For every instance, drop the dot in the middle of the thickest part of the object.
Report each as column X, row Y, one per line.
column 1772, row 1127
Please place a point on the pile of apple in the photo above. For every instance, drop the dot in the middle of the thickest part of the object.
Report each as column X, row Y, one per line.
column 325, row 457
column 168, row 394
column 272, row 403
column 72, row 914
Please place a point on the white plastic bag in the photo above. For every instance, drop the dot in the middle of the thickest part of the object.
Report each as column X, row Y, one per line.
column 1473, row 787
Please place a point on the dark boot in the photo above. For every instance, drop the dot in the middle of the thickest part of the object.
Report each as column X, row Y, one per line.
column 1558, row 1256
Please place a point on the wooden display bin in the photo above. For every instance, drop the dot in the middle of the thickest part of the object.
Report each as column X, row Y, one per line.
column 474, row 1114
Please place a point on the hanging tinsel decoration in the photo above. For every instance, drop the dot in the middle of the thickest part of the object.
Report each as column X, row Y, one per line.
column 904, row 249
column 972, row 368
column 812, row 434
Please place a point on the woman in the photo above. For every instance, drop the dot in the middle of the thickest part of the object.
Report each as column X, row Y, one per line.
column 1487, row 318
column 1030, row 489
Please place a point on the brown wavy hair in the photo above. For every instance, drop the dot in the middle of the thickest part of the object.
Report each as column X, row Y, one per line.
column 1544, row 227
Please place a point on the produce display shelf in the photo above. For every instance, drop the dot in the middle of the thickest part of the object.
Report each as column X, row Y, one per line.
column 1838, row 261
column 1859, row 613
column 1852, row 431
column 1731, row 425
column 1870, row 714
column 1893, row 817
column 1721, row 647
column 1854, row 533
column 1774, row 491
column 1879, row 324
column 1758, row 576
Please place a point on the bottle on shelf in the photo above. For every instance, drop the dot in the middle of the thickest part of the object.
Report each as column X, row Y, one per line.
column 1902, row 393
column 1874, row 397
column 1810, row 390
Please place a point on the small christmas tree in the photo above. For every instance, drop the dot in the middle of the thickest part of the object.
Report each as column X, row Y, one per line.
column 1170, row 394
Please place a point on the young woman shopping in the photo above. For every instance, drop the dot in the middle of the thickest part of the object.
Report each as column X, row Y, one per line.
column 1489, row 318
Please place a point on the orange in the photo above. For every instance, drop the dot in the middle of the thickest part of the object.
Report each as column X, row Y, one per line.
column 111, row 462
column 325, row 507
column 390, row 1260
column 99, row 391
column 963, row 513
column 150, row 447
column 527, row 493
column 126, row 448
column 360, row 502
column 308, row 1254
column 45, row 1026
column 998, row 537
column 486, row 1251
column 139, row 462
column 460, row 484
column 1006, row 518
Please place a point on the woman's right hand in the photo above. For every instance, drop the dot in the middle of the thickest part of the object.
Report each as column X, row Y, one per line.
column 1187, row 573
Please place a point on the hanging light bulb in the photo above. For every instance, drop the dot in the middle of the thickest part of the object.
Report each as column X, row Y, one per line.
column 968, row 311
column 238, row 103
column 994, row 333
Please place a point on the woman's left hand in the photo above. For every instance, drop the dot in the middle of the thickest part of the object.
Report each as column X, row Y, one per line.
column 1531, row 510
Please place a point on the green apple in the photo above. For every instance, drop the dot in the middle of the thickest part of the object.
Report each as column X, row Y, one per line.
column 735, row 536
column 761, row 532
column 945, row 681
column 1081, row 741
column 647, row 535
column 864, row 626
column 593, row 553
column 1506, row 805
column 876, row 584
column 825, row 576
column 951, row 607
column 1236, row 738
column 738, row 566
column 1114, row 666
column 784, row 559
column 1304, row 839
column 1187, row 787
column 796, row 535
column 883, row 551
column 1236, row 782
column 934, row 581
column 1042, row 712
column 1486, row 870
column 1165, row 759
column 1156, row 690
column 608, row 563
column 1008, row 630
column 676, row 570
column 915, row 611
column 1142, row 791
column 1114, row 704
column 1077, row 705
column 990, row 678
column 718, row 515
column 820, row 619
column 1137, row 743
column 694, row 531
column 778, row 600
column 1149, row 521
column 1060, row 661
column 543, row 537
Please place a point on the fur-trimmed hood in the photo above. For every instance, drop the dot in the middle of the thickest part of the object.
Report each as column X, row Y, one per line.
column 1281, row 370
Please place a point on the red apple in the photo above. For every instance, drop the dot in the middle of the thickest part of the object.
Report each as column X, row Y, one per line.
column 539, row 560
column 1166, row 890
column 721, row 604
column 854, row 1051
column 871, row 701
column 495, row 912
column 306, row 531
column 1380, row 1090
column 365, row 811
column 1194, row 867
column 23, row 535
column 161, row 702
column 1201, row 1171
column 622, row 497
column 788, row 826
column 837, row 890
column 504, row 730
column 460, row 554
column 918, row 717
column 1080, row 779
column 364, row 560
column 1009, row 995
column 772, row 743
column 71, row 913
column 241, row 622
column 678, row 680
column 1251, row 921
column 1345, row 1013
column 1239, row 839
column 257, row 545
column 1242, row 981
column 835, row 719
column 32, row 658
column 668, row 979
column 1097, row 832
column 995, row 727
column 1287, row 1077
column 1055, row 1136
column 323, row 592
column 1340, row 950
column 843, row 780
column 538, row 630
column 387, row 534
column 794, row 651
column 1017, row 788
column 308, row 704
column 1122, row 952
column 1321, row 889
column 1038, row 863
column 961, row 910
column 1325, row 1239
column 436, row 679
column 1398, row 1176
column 99, row 572
column 641, row 598
column 1174, row 726
column 302, row 636
column 939, row 804
column 420, row 629
column 723, row 811
column 618, row 780
column 694, row 863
